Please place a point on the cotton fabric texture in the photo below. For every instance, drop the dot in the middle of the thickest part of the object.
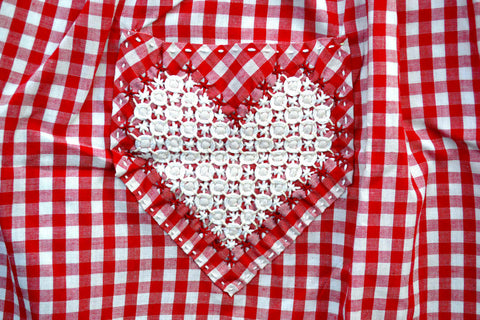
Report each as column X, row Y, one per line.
column 233, row 149
column 401, row 242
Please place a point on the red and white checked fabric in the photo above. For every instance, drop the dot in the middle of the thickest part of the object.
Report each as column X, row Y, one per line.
column 402, row 242
column 234, row 235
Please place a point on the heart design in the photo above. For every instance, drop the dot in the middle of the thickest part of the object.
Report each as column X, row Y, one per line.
column 232, row 173
column 234, row 150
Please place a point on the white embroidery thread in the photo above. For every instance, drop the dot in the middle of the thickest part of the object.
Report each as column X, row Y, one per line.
column 232, row 177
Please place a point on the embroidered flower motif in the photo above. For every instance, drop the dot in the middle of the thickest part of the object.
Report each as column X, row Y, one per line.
column 233, row 202
column 205, row 171
column 144, row 143
column 218, row 187
column 278, row 158
column 158, row 127
column 264, row 116
column 278, row 187
column 279, row 130
column 189, row 100
column 204, row 115
column 174, row 144
column 263, row 202
column 293, row 172
column 190, row 157
column 142, row 111
column 233, row 231
column 293, row 115
column 264, row 145
column 247, row 187
column 233, row 177
column 188, row 129
column 308, row 129
column 159, row 97
column 307, row 99
column 174, row 84
column 323, row 144
column 249, row 157
column 308, row 158
column 174, row 171
column 292, row 86
column 162, row 156
column 205, row 145
column 189, row 186
column 321, row 114
column 204, row 201
column 293, row 144
column 278, row 101
column 263, row 171
column 220, row 158
column 249, row 131
column 220, row 130
column 234, row 172
column 234, row 145
column 218, row 216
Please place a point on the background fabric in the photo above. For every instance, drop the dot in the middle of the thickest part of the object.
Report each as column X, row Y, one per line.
column 401, row 242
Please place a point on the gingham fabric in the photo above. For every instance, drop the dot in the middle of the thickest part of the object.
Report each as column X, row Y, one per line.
column 401, row 242
column 233, row 209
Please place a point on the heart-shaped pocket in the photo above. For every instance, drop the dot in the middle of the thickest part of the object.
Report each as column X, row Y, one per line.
column 232, row 173
column 233, row 182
